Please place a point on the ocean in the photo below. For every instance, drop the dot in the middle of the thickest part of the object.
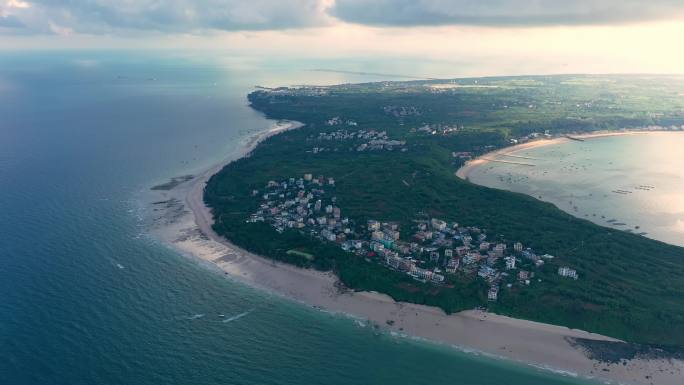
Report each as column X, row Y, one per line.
column 88, row 297
column 634, row 183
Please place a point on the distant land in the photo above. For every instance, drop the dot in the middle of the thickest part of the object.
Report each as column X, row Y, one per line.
column 404, row 76
column 367, row 189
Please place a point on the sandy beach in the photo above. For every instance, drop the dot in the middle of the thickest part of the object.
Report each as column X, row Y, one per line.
column 186, row 225
column 481, row 160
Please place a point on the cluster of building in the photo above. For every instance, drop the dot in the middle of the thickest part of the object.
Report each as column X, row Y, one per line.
column 466, row 250
column 296, row 91
column 401, row 111
column 462, row 155
column 302, row 203
column 363, row 140
column 567, row 272
column 430, row 252
column 532, row 136
column 337, row 121
column 672, row 127
column 438, row 129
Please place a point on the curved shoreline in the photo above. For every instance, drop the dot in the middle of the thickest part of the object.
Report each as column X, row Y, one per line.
column 465, row 170
column 532, row 343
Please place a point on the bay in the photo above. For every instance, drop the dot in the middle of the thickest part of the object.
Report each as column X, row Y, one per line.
column 631, row 182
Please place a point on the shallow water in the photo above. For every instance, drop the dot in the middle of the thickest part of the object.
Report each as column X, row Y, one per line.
column 631, row 182
column 86, row 297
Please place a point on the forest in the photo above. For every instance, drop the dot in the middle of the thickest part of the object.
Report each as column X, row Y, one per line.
column 631, row 287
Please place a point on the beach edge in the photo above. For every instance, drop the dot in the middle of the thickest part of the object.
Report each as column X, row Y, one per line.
column 532, row 343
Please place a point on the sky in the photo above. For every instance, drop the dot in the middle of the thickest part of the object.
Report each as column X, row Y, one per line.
column 479, row 37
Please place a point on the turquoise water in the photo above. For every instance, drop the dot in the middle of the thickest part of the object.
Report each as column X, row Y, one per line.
column 87, row 298
column 633, row 182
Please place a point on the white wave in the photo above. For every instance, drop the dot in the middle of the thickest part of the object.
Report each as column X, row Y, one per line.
column 237, row 317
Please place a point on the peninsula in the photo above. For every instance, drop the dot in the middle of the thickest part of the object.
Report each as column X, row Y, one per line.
column 364, row 197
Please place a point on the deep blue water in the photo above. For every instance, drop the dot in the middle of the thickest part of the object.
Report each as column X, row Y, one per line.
column 81, row 135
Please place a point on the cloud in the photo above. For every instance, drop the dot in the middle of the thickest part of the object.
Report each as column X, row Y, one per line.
column 10, row 21
column 140, row 17
column 503, row 12
column 165, row 16
column 17, row 4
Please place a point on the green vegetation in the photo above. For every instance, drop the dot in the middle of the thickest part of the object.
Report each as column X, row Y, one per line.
column 631, row 287
column 301, row 254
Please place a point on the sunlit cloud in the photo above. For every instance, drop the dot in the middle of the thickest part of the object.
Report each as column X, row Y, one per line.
column 59, row 30
column 473, row 38
column 17, row 4
column 7, row 19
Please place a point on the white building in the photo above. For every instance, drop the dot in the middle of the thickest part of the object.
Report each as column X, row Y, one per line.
column 452, row 265
column 493, row 293
column 328, row 235
column 377, row 235
column 373, row 225
column 438, row 224
column 377, row 247
column 510, row 263
column 422, row 273
column 567, row 272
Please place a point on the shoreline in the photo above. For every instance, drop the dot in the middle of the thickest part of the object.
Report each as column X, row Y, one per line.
column 464, row 171
column 187, row 228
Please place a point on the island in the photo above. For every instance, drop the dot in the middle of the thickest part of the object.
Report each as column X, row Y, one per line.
column 365, row 192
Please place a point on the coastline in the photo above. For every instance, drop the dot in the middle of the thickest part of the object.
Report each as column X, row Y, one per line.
column 468, row 167
column 188, row 229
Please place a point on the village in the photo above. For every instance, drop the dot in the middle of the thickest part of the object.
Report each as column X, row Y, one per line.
column 358, row 140
column 362, row 140
column 437, row 249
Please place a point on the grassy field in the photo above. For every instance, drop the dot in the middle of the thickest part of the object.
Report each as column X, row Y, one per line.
column 630, row 287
